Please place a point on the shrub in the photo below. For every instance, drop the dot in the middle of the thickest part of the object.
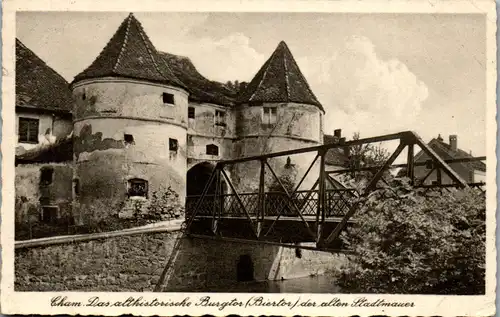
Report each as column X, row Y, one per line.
column 164, row 205
column 409, row 241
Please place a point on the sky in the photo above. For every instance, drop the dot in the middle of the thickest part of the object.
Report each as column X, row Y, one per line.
column 373, row 73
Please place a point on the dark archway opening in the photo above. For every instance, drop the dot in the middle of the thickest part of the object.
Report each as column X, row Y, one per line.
column 244, row 269
column 196, row 179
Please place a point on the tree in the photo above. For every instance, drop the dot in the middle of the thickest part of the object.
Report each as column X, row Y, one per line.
column 407, row 241
column 364, row 155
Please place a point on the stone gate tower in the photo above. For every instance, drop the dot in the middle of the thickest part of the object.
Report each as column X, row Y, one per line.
column 278, row 111
column 130, row 124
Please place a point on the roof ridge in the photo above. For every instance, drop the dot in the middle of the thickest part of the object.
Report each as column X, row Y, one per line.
column 125, row 41
column 43, row 62
column 143, row 35
column 287, row 80
column 302, row 76
column 263, row 76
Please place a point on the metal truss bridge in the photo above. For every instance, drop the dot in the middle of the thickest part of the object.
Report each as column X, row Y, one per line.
column 318, row 215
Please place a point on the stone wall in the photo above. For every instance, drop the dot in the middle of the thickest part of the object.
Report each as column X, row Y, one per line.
column 135, row 263
column 126, row 263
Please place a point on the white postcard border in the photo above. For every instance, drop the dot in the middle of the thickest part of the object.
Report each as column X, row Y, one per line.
column 39, row 302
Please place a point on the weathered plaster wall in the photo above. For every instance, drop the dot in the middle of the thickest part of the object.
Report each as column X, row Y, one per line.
column 62, row 126
column 44, row 126
column 29, row 191
column 197, row 148
column 246, row 175
column 297, row 126
column 204, row 123
column 105, row 163
column 292, row 120
column 106, row 110
column 122, row 97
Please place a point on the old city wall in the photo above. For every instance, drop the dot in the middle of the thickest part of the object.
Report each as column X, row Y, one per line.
column 124, row 263
column 135, row 262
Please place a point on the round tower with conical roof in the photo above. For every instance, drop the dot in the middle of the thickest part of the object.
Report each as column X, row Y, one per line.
column 277, row 112
column 130, row 126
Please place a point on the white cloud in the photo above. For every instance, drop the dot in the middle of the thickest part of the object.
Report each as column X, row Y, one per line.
column 361, row 92
column 229, row 58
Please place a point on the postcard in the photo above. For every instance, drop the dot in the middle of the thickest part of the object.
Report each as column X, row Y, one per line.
column 319, row 158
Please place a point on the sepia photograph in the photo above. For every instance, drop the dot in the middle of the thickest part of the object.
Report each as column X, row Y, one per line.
column 344, row 158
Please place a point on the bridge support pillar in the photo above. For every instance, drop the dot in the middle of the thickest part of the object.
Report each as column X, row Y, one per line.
column 214, row 264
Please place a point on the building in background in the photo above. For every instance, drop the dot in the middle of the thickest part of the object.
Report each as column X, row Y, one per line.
column 44, row 159
column 471, row 172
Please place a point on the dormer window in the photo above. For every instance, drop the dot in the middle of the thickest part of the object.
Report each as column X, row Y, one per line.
column 168, row 99
column 269, row 115
column 220, row 118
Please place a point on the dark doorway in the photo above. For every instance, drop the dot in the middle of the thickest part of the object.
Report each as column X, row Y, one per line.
column 244, row 269
column 198, row 177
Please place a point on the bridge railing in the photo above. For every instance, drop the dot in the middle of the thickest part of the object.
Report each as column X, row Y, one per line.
column 337, row 203
column 320, row 202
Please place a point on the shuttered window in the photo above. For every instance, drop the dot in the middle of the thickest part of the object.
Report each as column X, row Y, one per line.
column 28, row 130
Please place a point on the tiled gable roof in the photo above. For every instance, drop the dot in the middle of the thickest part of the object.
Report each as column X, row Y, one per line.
column 445, row 151
column 130, row 54
column 37, row 85
column 280, row 80
column 200, row 88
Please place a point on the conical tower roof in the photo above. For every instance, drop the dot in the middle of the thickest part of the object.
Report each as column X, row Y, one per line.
column 280, row 80
column 130, row 54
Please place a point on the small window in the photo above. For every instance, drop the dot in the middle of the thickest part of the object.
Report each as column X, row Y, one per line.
column 137, row 188
column 220, row 118
column 28, row 130
column 84, row 96
column 46, row 174
column 191, row 113
column 298, row 253
column 128, row 138
column 49, row 214
column 212, row 149
column 168, row 98
column 269, row 115
column 76, row 186
column 173, row 145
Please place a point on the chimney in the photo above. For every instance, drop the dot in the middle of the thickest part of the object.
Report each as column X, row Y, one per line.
column 337, row 133
column 440, row 138
column 453, row 142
